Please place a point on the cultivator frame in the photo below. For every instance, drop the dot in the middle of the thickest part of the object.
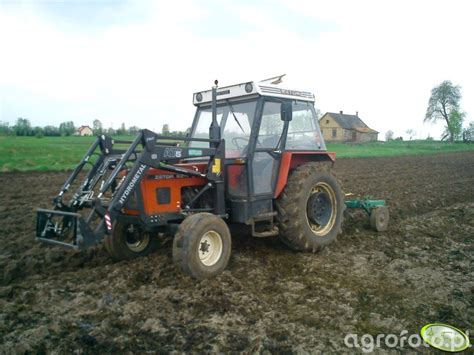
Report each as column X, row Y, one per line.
column 65, row 222
column 375, row 209
column 365, row 204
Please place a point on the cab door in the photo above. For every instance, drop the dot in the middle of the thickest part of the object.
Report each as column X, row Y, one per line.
column 267, row 154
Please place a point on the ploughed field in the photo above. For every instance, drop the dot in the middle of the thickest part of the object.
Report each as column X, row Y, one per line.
column 270, row 298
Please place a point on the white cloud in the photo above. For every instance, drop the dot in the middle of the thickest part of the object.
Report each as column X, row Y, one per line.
column 380, row 58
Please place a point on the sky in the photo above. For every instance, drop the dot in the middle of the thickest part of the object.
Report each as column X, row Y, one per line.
column 139, row 62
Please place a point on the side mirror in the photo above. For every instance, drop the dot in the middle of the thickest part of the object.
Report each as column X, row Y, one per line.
column 286, row 111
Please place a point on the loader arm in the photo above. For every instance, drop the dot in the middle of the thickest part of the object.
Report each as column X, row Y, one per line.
column 65, row 222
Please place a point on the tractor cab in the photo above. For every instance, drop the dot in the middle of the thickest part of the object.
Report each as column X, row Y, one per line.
column 262, row 125
column 252, row 114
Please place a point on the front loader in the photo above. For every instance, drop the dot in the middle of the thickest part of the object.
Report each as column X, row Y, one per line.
column 255, row 156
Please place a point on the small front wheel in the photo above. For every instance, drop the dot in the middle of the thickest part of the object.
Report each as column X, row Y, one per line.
column 202, row 246
column 129, row 241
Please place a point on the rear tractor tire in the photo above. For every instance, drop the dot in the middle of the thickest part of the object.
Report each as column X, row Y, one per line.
column 202, row 246
column 129, row 241
column 310, row 208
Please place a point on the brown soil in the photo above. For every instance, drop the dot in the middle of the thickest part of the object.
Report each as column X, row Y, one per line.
column 270, row 298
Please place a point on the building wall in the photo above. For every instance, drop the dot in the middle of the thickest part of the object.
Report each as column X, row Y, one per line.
column 367, row 137
column 327, row 125
column 85, row 132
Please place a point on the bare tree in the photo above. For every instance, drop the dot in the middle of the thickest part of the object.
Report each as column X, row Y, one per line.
column 410, row 132
column 444, row 105
column 97, row 126
column 389, row 135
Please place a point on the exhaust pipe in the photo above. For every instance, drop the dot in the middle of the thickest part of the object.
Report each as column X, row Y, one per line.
column 214, row 129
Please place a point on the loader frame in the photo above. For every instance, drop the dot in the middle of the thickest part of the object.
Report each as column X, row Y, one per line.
column 145, row 152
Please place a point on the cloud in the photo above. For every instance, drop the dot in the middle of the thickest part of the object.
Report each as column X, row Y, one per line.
column 142, row 65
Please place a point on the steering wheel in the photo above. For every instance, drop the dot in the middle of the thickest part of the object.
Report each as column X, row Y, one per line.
column 235, row 139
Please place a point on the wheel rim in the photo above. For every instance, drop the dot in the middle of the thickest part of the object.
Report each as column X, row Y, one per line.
column 379, row 218
column 136, row 240
column 323, row 199
column 210, row 248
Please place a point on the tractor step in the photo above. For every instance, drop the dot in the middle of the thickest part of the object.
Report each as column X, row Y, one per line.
column 264, row 234
column 271, row 230
column 265, row 217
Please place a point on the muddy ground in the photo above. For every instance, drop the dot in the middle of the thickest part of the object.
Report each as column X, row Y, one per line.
column 419, row 271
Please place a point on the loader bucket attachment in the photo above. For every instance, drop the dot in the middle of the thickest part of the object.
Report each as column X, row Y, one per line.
column 66, row 229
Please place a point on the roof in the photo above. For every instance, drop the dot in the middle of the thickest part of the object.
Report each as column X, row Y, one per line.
column 249, row 89
column 83, row 127
column 350, row 122
column 365, row 130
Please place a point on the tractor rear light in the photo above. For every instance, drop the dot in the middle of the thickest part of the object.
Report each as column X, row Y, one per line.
column 248, row 88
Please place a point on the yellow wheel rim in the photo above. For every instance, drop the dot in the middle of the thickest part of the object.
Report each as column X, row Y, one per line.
column 321, row 230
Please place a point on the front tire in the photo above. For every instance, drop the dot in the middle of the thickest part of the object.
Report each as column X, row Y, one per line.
column 129, row 241
column 310, row 209
column 202, row 246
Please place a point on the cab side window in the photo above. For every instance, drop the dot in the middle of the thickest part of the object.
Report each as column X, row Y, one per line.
column 303, row 131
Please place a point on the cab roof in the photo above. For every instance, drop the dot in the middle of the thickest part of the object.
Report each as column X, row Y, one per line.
column 250, row 89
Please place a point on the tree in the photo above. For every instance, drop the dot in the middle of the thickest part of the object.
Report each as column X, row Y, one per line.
column 133, row 130
column 455, row 125
column 51, row 131
column 22, row 127
column 410, row 132
column 468, row 133
column 444, row 105
column 319, row 114
column 67, row 128
column 38, row 132
column 97, row 127
column 389, row 135
column 165, row 130
column 4, row 128
column 122, row 130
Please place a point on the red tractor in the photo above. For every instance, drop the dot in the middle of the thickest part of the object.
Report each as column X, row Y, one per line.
column 255, row 156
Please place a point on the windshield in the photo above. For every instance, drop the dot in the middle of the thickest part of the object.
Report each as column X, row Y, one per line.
column 235, row 120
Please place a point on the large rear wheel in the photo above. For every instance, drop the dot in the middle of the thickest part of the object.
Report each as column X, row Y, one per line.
column 310, row 209
column 202, row 245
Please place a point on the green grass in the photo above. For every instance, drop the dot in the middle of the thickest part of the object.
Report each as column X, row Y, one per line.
column 63, row 153
column 47, row 153
column 396, row 148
